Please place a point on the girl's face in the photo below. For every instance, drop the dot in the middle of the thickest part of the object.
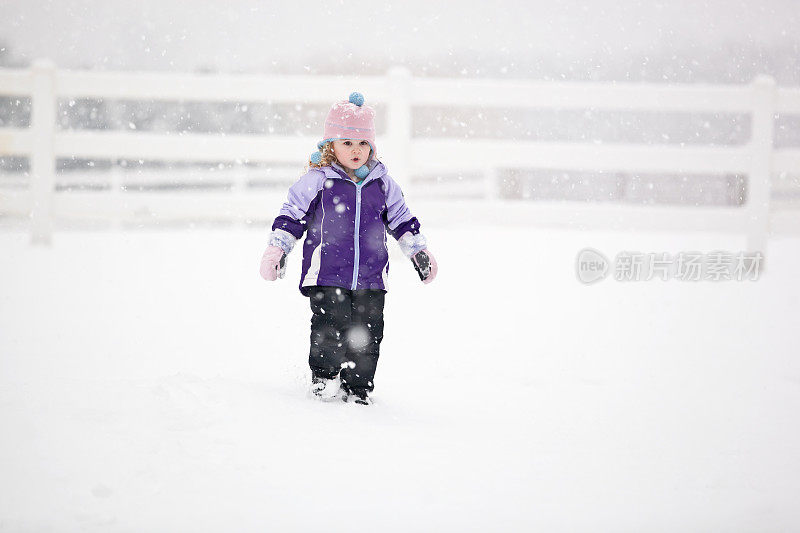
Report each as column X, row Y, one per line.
column 351, row 154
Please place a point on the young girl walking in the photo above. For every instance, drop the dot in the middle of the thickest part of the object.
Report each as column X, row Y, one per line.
column 345, row 204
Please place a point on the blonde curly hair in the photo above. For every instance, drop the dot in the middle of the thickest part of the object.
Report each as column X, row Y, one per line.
column 328, row 157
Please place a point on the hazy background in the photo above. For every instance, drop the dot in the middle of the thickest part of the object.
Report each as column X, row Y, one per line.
column 660, row 42
column 712, row 40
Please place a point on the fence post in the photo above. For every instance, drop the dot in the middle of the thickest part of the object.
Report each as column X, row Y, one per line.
column 491, row 176
column 759, row 186
column 398, row 130
column 43, row 159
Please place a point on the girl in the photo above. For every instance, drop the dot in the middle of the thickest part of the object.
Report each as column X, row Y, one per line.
column 345, row 202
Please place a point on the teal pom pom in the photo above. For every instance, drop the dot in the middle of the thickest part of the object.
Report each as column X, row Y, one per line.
column 362, row 172
column 315, row 158
column 357, row 98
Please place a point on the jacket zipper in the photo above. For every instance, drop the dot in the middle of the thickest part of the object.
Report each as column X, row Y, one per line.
column 356, row 250
column 356, row 234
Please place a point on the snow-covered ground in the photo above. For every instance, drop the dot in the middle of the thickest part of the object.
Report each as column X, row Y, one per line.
column 150, row 381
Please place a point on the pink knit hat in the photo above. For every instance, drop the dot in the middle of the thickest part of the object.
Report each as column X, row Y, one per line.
column 349, row 119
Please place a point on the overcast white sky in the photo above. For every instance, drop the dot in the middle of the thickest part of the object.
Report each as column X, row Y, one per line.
column 244, row 35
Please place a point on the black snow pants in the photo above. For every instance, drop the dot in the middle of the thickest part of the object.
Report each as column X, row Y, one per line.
column 346, row 334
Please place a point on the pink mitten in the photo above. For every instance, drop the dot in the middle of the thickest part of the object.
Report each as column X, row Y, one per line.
column 426, row 265
column 273, row 264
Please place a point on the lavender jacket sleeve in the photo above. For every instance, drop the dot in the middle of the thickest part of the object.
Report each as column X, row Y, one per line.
column 290, row 224
column 399, row 219
column 400, row 223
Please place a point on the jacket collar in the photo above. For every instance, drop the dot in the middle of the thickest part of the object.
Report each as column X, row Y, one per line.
column 376, row 170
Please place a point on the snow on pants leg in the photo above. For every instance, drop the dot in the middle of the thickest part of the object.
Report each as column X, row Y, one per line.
column 329, row 324
column 346, row 333
column 364, row 339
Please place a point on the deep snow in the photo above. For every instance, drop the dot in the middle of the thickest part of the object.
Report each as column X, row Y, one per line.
column 151, row 381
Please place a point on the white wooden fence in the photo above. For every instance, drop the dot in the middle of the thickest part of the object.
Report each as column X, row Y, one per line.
column 43, row 142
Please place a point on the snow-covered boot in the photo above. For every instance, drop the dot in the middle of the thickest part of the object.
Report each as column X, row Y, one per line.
column 325, row 389
column 359, row 396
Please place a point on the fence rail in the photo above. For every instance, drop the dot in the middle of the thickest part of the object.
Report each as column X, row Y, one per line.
column 43, row 142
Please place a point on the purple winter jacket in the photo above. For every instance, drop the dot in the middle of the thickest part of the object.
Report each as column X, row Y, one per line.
column 346, row 222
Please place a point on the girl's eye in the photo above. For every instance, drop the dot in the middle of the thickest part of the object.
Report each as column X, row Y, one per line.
column 347, row 143
column 364, row 142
